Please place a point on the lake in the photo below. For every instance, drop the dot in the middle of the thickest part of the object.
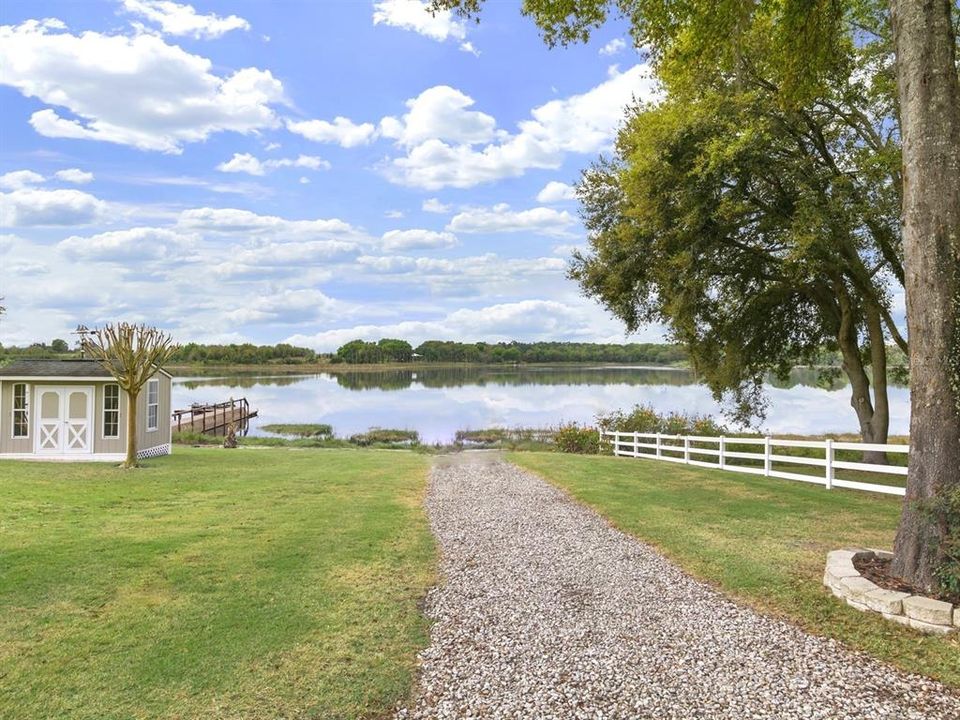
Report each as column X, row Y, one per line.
column 439, row 401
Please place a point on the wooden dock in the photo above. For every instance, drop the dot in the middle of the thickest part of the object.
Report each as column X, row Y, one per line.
column 216, row 418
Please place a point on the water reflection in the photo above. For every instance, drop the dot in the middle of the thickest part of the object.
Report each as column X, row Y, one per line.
column 439, row 401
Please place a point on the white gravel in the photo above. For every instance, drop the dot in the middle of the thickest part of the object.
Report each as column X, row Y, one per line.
column 545, row 611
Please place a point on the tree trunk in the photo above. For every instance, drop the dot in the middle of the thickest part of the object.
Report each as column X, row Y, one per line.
column 131, row 460
column 880, row 423
column 930, row 126
column 874, row 418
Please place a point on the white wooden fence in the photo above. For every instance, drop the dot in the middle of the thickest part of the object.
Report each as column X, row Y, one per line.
column 686, row 448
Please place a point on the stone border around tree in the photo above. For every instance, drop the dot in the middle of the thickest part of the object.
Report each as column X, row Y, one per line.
column 916, row 611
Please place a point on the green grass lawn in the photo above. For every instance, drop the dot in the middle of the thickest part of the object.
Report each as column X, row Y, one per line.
column 760, row 540
column 257, row 583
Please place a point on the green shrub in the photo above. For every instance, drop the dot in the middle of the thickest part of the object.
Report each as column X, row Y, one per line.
column 644, row 419
column 948, row 572
column 573, row 438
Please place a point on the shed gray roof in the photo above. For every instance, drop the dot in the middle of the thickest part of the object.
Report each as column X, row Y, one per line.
column 54, row 368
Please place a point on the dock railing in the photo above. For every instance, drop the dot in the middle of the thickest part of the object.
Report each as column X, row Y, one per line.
column 687, row 449
column 214, row 417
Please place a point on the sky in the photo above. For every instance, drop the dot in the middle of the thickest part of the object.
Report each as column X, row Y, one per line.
column 304, row 172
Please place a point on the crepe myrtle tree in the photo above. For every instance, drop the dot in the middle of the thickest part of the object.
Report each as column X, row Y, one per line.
column 131, row 354
column 806, row 46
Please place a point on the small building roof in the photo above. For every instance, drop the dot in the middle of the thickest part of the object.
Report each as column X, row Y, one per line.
column 56, row 369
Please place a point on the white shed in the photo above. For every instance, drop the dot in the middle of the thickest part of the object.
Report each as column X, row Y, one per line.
column 74, row 410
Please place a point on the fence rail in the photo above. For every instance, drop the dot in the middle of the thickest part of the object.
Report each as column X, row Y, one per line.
column 687, row 449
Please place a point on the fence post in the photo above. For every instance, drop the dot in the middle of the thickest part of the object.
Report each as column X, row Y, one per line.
column 766, row 456
column 686, row 449
column 636, row 445
column 829, row 457
column 616, row 443
column 659, row 446
column 723, row 447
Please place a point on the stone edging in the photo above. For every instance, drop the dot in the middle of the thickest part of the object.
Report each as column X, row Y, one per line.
column 916, row 611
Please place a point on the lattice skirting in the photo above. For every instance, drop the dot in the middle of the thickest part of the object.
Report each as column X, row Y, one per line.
column 157, row 451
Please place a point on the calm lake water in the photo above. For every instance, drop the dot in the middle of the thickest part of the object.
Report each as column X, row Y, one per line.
column 438, row 402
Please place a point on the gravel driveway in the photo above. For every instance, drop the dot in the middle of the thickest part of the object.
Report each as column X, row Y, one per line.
column 545, row 611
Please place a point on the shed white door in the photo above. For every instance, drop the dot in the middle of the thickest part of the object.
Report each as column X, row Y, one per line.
column 64, row 420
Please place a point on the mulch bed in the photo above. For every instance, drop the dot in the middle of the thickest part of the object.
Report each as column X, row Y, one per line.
column 877, row 571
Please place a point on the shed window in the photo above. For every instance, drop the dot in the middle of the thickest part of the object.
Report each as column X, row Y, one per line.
column 153, row 404
column 21, row 411
column 111, row 411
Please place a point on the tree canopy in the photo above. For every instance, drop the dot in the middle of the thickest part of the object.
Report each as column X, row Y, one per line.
column 759, row 234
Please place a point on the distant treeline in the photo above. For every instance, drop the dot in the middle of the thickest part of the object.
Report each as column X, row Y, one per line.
column 390, row 350
column 243, row 354
column 189, row 354
column 56, row 348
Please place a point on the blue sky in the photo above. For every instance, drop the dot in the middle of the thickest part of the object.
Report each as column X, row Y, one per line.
column 299, row 171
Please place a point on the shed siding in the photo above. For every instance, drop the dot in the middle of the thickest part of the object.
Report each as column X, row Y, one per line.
column 100, row 443
column 161, row 435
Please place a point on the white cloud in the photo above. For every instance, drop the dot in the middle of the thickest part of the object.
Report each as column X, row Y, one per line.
column 433, row 205
column 555, row 191
column 473, row 268
column 587, row 123
column 244, row 163
column 271, row 259
column 169, row 97
column 74, row 175
column 270, row 246
column 247, row 163
column 452, row 154
column 19, row 179
column 6, row 242
column 501, row 219
column 417, row 239
column 342, row 131
column 416, row 15
column 529, row 319
column 613, row 47
column 26, row 268
column 394, row 214
column 25, row 208
column 440, row 113
column 468, row 47
column 304, row 180
column 139, row 243
column 287, row 307
column 231, row 221
column 177, row 19
column 569, row 249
